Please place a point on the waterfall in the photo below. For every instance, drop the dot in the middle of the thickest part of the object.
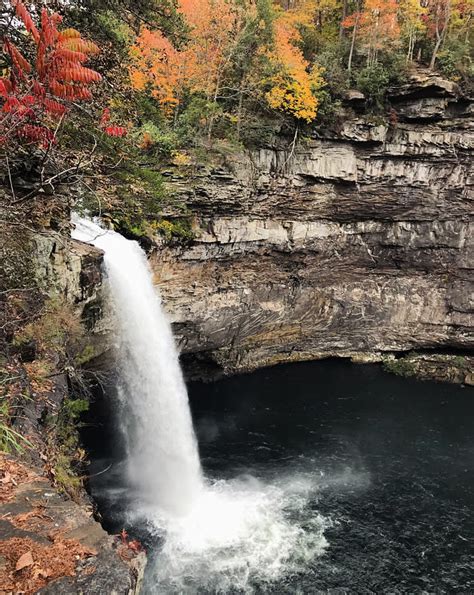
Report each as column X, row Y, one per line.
column 163, row 463
column 217, row 535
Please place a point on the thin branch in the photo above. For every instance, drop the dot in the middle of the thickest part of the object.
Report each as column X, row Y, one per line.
column 293, row 147
column 17, row 289
column 50, row 144
column 96, row 474
column 10, row 177
column 58, row 175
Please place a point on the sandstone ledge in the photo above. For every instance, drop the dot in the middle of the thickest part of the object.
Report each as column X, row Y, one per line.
column 50, row 544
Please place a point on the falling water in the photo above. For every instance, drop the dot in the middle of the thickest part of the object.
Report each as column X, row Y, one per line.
column 163, row 461
column 219, row 535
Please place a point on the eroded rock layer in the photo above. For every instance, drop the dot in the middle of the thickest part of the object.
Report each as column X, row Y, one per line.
column 358, row 242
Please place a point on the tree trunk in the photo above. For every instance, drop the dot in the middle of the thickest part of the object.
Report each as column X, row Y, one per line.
column 434, row 55
column 212, row 118
column 343, row 18
column 440, row 35
column 239, row 109
column 351, row 53
column 175, row 116
column 411, row 45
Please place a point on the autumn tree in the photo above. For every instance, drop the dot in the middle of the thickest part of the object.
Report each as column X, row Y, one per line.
column 461, row 34
column 234, row 50
column 412, row 15
column 198, row 66
column 377, row 27
column 170, row 73
column 293, row 82
column 439, row 16
column 44, row 83
column 462, row 20
column 250, row 60
column 450, row 22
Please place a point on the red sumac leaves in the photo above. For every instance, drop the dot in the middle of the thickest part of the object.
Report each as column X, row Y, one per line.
column 33, row 96
column 78, row 74
column 23, row 14
column 118, row 131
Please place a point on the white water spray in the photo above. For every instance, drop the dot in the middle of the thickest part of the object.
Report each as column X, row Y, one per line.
column 163, row 461
column 220, row 536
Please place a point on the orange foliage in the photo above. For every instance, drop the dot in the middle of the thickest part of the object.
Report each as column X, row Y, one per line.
column 214, row 27
column 379, row 21
column 293, row 84
column 155, row 62
column 198, row 66
column 377, row 26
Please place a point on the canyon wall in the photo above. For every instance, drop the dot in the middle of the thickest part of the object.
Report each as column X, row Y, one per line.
column 355, row 243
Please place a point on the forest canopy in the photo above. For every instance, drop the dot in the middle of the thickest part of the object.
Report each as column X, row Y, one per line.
column 204, row 68
column 127, row 87
column 218, row 63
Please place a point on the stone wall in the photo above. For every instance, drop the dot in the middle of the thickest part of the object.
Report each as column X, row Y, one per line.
column 360, row 242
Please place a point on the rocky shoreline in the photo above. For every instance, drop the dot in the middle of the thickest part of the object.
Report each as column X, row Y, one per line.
column 51, row 544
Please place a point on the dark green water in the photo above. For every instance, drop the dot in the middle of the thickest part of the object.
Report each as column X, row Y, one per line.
column 389, row 463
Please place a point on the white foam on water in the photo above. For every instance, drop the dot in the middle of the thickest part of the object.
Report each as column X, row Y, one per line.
column 240, row 533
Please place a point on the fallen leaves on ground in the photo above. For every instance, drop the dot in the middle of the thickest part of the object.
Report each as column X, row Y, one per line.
column 31, row 565
column 12, row 474
column 24, row 561
column 128, row 549
column 34, row 520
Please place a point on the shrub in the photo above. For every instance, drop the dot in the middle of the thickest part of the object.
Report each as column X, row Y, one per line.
column 373, row 82
column 175, row 230
column 329, row 109
column 10, row 439
column 401, row 367
column 154, row 140
column 196, row 116
column 455, row 62
column 335, row 71
column 58, row 329
column 34, row 94
column 114, row 28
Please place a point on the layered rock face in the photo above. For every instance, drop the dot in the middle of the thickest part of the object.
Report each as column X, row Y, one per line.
column 357, row 242
column 70, row 268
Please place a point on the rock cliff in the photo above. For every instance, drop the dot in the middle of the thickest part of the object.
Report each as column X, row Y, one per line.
column 50, row 543
column 356, row 243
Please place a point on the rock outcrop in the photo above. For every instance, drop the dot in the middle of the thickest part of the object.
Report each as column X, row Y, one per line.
column 357, row 243
column 53, row 545
column 70, row 268
column 458, row 369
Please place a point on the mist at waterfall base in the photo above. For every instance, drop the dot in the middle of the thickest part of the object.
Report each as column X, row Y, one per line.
column 316, row 476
